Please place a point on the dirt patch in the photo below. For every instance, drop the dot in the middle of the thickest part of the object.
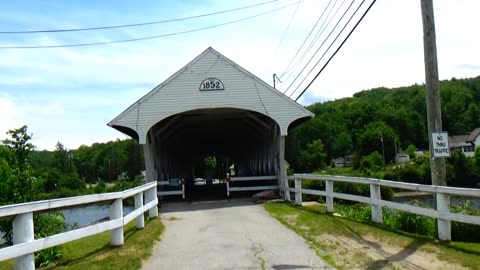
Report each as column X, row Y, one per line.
column 369, row 252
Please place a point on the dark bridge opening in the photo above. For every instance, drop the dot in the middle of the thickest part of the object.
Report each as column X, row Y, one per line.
column 242, row 143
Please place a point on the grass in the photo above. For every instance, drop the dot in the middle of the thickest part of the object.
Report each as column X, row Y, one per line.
column 94, row 252
column 347, row 244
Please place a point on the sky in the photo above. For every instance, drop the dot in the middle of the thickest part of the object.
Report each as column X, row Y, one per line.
column 68, row 94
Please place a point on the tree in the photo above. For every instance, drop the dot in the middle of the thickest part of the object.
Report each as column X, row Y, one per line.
column 343, row 144
column 411, row 149
column 371, row 140
column 18, row 149
column 314, row 157
column 62, row 159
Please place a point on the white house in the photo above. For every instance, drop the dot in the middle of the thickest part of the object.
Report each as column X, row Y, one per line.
column 465, row 143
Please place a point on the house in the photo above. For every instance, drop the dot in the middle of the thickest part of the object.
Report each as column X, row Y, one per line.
column 402, row 158
column 341, row 162
column 465, row 143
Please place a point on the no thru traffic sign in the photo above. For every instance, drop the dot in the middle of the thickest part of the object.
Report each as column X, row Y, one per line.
column 440, row 144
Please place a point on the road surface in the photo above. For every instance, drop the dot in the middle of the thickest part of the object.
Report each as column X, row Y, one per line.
column 233, row 234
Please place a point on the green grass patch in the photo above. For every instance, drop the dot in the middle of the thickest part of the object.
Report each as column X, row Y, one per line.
column 94, row 252
column 345, row 244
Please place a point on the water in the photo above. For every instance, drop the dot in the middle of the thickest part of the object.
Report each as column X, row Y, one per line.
column 84, row 216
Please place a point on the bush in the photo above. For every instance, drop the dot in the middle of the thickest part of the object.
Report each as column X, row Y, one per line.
column 360, row 211
column 373, row 161
column 409, row 222
column 463, row 231
column 47, row 224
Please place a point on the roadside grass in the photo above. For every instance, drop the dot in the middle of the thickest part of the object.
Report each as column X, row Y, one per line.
column 349, row 244
column 94, row 252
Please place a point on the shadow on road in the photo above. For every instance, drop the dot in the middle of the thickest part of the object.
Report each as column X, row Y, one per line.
column 188, row 206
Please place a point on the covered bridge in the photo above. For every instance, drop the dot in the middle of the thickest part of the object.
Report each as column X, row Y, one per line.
column 211, row 106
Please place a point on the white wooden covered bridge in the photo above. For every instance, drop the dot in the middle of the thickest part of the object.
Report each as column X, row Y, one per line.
column 212, row 106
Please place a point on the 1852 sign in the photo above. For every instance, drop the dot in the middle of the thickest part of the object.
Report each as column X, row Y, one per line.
column 211, row 84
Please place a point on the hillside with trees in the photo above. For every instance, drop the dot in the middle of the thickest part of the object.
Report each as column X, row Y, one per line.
column 357, row 125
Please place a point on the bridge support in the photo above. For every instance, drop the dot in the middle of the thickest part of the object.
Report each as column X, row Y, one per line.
column 283, row 180
column 298, row 191
column 22, row 233
column 116, row 212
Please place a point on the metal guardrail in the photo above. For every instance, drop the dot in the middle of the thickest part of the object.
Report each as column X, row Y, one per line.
column 24, row 244
column 442, row 193
column 251, row 178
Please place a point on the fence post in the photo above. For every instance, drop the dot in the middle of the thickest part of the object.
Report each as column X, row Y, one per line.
column 443, row 223
column 298, row 191
column 329, row 197
column 183, row 190
column 116, row 212
column 375, row 194
column 151, row 195
column 23, row 232
column 287, row 187
column 140, row 221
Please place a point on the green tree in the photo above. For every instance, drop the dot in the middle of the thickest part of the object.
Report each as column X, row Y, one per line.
column 411, row 149
column 62, row 159
column 314, row 157
column 372, row 136
column 18, row 149
column 343, row 144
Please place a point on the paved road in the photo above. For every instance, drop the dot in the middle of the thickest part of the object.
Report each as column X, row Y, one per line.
column 228, row 235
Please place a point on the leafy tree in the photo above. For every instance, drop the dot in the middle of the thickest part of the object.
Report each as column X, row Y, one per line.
column 372, row 136
column 343, row 144
column 314, row 157
column 461, row 169
column 18, row 149
column 411, row 151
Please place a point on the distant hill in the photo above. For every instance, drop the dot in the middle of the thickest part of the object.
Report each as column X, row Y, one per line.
column 401, row 109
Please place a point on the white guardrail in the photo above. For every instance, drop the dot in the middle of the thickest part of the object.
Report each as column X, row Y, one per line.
column 24, row 244
column 250, row 178
column 172, row 192
column 442, row 193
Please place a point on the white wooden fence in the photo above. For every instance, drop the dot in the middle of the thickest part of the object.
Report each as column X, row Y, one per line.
column 251, row 178
column 442, row 193
column 171, row 192
column 24, row 244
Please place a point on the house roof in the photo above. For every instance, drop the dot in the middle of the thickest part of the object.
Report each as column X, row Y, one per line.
column 458, row 141
column 179, row 93
column 473, row 136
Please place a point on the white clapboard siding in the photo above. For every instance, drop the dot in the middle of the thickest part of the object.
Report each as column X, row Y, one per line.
column 180, row 93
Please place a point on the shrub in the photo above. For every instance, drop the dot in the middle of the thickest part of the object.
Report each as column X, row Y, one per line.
column 464, row 231
column 361, row 212
column 47, row 224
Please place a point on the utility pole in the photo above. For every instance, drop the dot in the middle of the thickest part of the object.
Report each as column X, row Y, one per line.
column 434, row 110
column 383, row 150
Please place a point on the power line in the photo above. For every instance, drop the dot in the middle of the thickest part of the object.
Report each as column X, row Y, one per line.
column 149, row 37
column 305, row 40
column 336, row 51
column 321, row 45
column 288, row 26
column 331, row 44
column 136, row 24
column 319, row 33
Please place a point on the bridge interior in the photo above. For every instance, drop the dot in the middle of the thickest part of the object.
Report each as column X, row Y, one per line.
column 244, row 143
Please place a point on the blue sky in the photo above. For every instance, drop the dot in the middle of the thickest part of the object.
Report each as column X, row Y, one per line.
column 69, row 94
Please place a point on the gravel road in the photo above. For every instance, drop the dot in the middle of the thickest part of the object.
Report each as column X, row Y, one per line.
column 234, row 234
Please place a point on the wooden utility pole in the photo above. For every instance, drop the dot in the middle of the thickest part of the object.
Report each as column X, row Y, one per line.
column 434, row 110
